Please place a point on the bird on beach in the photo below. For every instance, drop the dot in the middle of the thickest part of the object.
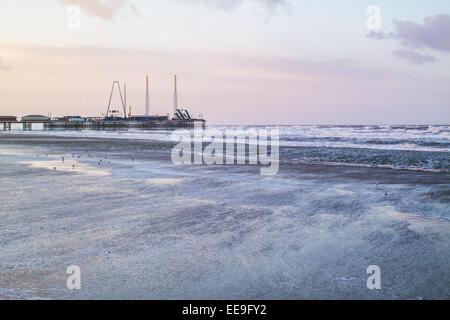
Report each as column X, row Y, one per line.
column 73, row 166
column 62, row 158
column 54, row 168
column 385, row 194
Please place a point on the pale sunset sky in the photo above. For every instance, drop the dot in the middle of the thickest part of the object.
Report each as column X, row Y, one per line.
column 238, row 61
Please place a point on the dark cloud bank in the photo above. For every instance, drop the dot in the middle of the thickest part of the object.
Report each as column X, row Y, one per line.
column 433, row 34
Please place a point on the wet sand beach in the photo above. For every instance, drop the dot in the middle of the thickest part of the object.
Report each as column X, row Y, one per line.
column 140, row 227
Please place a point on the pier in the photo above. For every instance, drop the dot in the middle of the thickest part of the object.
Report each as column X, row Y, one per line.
column 26, row 125
column 6, row 126
column 114, row 119
column 120, row 124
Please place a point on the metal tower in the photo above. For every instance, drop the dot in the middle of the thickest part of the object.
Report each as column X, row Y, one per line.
column 125, row 100
column 175, row 99
column 147, row 100
column 121, row 99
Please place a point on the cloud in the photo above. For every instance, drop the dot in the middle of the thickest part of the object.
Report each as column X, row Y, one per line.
column 230, row 4
column 413, row 57
column 378, row 35
column 104, row 9
column 433, row 34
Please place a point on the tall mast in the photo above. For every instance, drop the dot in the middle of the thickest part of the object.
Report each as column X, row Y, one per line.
column 147, row 100
column 175, row 99
column 125, row 100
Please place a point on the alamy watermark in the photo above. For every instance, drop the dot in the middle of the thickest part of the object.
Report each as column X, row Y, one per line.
column 74, row 280
column 374, row 19
column 374, row 280
column 229, row 147
column 73, row 20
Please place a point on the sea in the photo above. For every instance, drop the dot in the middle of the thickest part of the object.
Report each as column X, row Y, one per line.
column 138, row 226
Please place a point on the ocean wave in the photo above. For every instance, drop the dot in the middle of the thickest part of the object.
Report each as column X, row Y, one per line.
column 421, row 147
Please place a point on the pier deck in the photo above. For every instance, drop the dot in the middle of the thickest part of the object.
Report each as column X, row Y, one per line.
column 104, row 124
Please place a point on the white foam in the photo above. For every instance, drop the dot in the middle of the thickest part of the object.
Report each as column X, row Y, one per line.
column 393, row 138
column 165, row 181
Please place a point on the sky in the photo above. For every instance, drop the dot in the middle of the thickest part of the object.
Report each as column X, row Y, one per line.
column 237, row 61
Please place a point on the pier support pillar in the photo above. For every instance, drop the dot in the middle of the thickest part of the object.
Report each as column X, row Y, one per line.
column 27, row 126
